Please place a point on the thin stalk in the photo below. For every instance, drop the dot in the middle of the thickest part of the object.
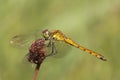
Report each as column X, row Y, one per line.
column 36, row 72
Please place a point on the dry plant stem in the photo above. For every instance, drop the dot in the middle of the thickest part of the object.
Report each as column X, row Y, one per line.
column 36, row 72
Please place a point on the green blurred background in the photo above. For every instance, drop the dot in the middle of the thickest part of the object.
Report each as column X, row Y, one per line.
column 92, row 23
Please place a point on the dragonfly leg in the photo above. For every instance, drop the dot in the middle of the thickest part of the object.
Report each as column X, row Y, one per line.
column 53, row 48
column 49, row 44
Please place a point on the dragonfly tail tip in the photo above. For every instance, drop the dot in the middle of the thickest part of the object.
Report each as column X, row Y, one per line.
column 104, row 59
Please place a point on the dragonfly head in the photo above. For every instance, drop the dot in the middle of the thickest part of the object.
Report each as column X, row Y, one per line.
column 46, row 34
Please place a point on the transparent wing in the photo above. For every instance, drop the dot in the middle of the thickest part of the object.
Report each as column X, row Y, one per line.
column 62, row 51
column 20, row 41
column 24, row 40
column 62, row 48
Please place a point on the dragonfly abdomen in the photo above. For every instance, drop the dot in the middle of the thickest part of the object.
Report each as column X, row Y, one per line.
column 92, row 53
column 69, row 41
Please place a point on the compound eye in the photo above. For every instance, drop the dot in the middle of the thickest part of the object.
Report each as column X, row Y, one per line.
column 46, row 34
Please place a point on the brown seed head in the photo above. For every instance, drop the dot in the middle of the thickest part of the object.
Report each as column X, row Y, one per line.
column 37, row 51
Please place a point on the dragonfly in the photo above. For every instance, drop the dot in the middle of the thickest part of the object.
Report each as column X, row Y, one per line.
column 53, row 36
column 57, row 35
